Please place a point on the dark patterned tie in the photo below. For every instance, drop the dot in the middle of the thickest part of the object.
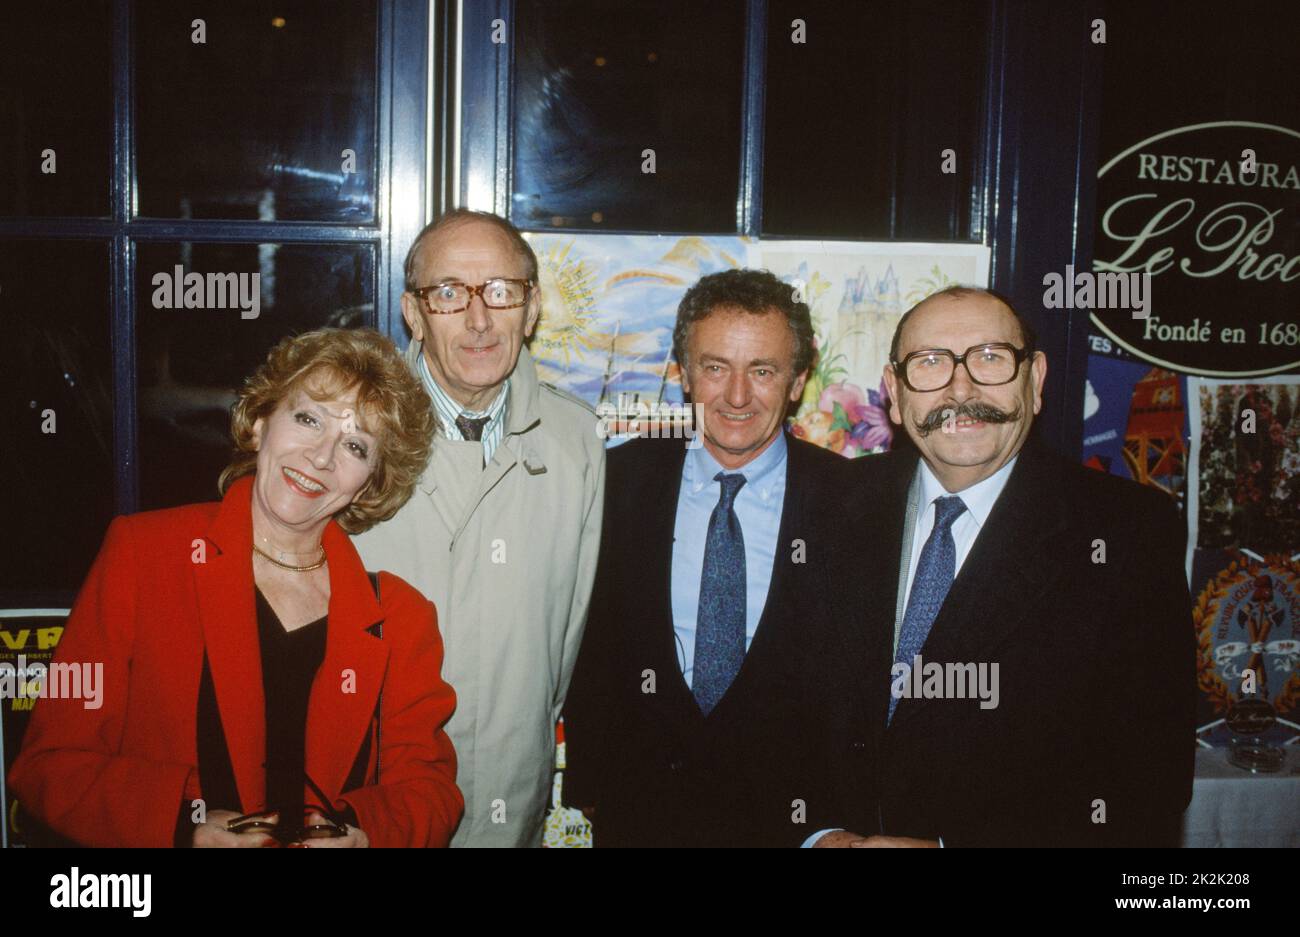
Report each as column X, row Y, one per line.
column 471, row 427
column 720, row 625
column 934, row 574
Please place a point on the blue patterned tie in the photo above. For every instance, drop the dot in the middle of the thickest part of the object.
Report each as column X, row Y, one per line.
column 934, row 574
column 720, row 625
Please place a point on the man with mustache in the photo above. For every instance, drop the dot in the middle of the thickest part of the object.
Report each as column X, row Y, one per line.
column 503, row 529
column 982, row 553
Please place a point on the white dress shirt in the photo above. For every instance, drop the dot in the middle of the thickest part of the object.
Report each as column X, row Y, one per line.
column 447, row 409
column 979, row 499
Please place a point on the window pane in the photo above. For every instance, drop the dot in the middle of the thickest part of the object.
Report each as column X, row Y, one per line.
column 57, row 400
column 56, row 87
column 860, row 111
column 192, row 360
column 252, row 123
column 597, row 84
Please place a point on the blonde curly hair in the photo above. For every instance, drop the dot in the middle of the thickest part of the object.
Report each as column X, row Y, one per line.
column 330, row 363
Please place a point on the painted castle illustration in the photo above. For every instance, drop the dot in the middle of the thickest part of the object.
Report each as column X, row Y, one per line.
column 864, row 324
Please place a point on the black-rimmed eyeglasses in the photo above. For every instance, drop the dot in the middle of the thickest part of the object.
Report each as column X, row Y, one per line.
column 989, row 364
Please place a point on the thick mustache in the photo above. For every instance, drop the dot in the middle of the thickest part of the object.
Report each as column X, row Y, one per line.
column 972, row 409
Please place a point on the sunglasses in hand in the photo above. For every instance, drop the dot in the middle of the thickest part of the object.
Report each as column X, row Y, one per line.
column 290, row 834
column 316, row 823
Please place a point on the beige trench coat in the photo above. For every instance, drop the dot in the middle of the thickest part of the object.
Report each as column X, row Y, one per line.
column 507, row 554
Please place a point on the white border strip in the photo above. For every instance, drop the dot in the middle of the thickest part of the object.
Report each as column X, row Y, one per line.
column 430, row 99
column 454, row 195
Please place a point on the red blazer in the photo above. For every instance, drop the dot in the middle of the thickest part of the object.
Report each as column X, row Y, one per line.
column 168, row 586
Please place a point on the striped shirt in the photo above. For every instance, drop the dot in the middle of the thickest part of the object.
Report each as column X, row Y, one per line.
column 447, row 409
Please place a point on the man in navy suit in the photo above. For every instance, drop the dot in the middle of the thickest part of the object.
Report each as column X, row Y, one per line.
column 1011, row 655
column 682, row 724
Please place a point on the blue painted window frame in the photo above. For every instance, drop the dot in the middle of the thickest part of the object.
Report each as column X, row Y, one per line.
column 402, row 39
column 400, row 142
column 1032, row 202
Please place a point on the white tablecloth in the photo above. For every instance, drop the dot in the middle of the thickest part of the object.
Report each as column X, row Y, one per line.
column 1232, row 807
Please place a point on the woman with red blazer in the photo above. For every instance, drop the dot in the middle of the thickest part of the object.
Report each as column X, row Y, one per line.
column 258, row 687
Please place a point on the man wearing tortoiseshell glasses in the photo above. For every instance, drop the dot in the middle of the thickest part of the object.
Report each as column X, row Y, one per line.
column 503, row 529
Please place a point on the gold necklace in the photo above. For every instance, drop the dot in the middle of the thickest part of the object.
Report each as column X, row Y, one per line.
column 297, row 569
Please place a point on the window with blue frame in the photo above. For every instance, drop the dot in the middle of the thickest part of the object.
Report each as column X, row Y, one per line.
column 592, row 102
column 237, row 137
column 859, row 113
column 785, row 118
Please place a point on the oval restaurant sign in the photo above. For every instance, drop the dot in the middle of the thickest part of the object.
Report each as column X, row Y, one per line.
column 1212, row 213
